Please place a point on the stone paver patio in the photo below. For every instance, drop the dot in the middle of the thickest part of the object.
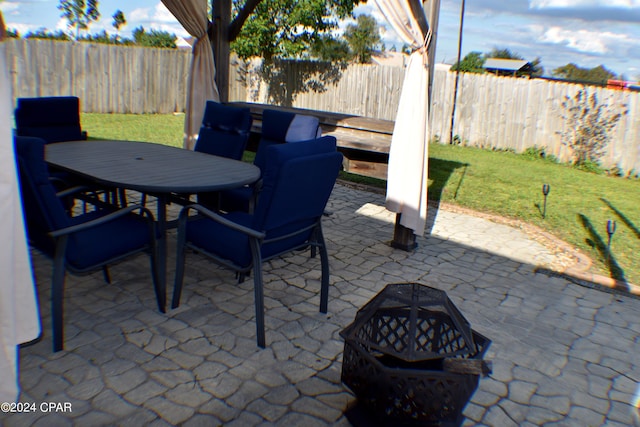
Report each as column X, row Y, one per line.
column 562, row 354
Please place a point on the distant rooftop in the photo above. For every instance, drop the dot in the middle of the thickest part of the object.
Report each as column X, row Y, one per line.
column 507, row 66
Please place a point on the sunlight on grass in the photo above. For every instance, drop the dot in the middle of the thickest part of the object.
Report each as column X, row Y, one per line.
column 160, row 128
column 578, row 207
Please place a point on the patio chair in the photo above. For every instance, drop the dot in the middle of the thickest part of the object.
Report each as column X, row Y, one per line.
column 225, row 130
column 54, row 119
column 278, row 127
column 298, row 181
column 82, row 243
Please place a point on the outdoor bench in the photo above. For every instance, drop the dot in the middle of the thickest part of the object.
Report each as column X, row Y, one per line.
column 363, row 141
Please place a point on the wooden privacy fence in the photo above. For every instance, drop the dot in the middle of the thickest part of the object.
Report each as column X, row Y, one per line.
column 491, row 112
column 515, row 114
column 106, row 78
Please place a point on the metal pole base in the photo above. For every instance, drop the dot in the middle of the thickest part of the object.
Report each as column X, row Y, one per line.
column 403, row 237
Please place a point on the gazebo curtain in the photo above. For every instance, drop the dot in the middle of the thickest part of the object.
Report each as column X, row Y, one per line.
column 409, row 154
column 192, row 14
column 19, row 319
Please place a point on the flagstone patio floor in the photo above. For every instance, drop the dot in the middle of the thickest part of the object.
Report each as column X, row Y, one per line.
column 562, row 353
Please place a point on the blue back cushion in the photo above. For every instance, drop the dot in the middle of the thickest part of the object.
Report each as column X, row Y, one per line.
column 295, row 177
column 53, row 119
column 34, row 170
column 225, row 130
column 279, row 127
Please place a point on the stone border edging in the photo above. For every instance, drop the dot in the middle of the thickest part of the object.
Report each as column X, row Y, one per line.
column 578, row 269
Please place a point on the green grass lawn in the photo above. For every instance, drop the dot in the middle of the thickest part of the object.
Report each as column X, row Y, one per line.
column 162, row 128
column 578, row 206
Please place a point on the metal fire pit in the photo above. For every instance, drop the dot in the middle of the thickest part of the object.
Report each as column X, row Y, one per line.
column 411, row 357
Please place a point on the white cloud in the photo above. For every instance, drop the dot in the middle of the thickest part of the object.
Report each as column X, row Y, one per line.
column 583, row 40
column 8, row 7
column 139, row 14
column 162, row 14
column 158, row 18
column 22, row 29
column 577, row 4
column 62, row 24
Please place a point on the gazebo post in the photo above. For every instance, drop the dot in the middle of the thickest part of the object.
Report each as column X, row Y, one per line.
column 403, row 237
column 219, row 36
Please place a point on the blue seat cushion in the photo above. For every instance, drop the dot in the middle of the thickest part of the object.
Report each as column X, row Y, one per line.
column 107, row 241
column 220, row 240
column 233, row 245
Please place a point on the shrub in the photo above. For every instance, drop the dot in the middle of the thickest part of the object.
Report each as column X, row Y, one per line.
column 588, row 127
column 539, row 153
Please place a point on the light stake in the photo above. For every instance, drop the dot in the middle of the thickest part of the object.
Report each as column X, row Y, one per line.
column 545, row 192
column 611, row 229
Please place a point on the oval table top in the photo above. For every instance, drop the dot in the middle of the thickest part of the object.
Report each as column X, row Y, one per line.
column 150, row 167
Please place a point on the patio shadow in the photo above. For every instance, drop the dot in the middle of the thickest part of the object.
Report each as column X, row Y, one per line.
column 595, row 240
column 622, row 217
column 440, row 172
column 310, row 76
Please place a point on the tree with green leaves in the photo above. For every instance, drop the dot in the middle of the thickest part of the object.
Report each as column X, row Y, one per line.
column 79, row 13
column 118, row 20
column 597, row 75
column 473, row 62
column 328, row 48
column 287, row 29
column 154, row 38
column 280, row 30
column 363, row 38
column 44, row 34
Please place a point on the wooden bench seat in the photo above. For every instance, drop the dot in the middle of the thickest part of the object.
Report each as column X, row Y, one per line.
column 363, row 141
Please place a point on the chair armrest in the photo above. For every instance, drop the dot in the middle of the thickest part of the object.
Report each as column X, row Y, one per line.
column 104, row 219
column 70, row 191
column 219, row 219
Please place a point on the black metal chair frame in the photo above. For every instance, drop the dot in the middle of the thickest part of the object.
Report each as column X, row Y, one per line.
column 61, row 238
column 256, row 240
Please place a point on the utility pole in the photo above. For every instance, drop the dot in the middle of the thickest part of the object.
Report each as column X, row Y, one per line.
column 455, row 86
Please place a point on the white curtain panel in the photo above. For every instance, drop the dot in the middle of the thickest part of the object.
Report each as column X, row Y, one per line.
column 19, row 319
column 192, row 14
column 409, row 153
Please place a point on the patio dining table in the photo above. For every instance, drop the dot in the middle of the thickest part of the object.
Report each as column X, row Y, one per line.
column 154, row 169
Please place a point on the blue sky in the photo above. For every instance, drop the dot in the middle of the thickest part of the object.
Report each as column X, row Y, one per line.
column 586, row 32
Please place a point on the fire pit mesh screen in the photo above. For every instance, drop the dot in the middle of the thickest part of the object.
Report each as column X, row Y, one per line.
column 397, row 351
column 412, row 322
column 434, row 335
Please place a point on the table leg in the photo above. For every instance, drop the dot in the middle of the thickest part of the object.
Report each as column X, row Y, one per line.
column 162, row 249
